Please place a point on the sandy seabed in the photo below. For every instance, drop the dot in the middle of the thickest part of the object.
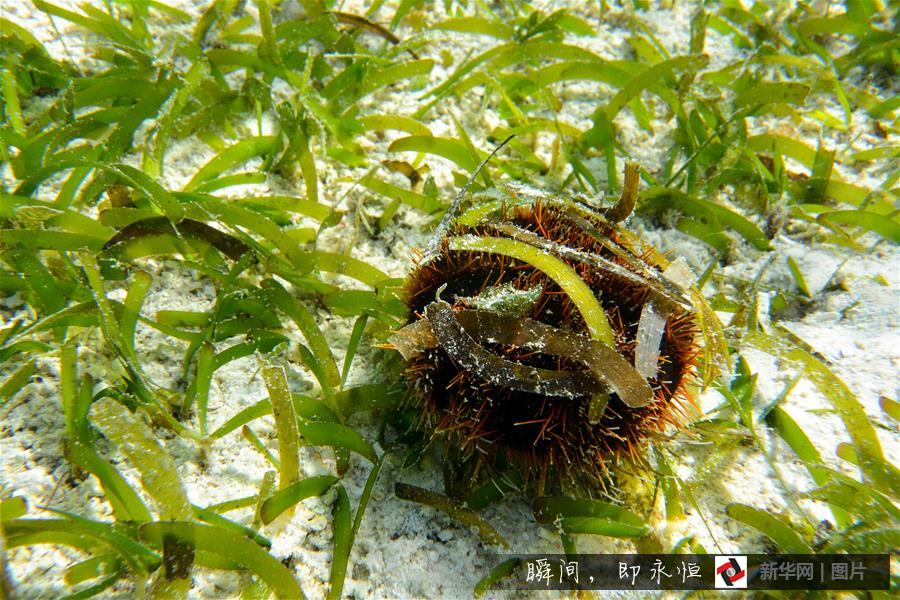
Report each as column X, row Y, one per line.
column 404, row 550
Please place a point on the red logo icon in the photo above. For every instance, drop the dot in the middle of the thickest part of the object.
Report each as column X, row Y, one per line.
column 731, row 572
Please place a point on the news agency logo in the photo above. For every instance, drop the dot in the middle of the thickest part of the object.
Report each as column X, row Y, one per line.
column 731, row 572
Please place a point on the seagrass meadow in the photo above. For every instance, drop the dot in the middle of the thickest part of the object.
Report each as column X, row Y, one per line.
column 209, row 214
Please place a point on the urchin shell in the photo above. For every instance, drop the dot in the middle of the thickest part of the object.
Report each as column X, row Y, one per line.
column 548, row 439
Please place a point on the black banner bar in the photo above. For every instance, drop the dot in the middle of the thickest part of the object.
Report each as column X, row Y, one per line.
column 699, row 572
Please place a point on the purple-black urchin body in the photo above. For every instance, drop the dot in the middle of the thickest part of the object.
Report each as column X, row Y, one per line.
column 494, row 425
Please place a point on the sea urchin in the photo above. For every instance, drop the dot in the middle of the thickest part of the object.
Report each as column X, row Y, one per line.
column 544, row 338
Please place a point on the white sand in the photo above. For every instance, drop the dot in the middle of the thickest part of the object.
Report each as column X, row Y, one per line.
column 404, row 550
